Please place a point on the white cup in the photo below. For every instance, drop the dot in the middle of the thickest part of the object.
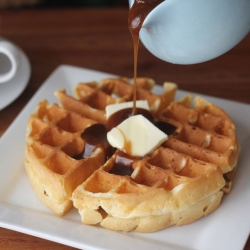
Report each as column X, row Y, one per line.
column 9, row 60
column 194, row 31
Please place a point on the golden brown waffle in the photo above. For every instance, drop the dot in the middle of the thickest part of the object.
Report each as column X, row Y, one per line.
column 53, row 139
column 92, row 98
column 163, row 189
column 206, row 133
column 178, row 183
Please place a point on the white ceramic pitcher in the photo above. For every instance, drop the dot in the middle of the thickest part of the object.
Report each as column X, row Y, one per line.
column 194, row 31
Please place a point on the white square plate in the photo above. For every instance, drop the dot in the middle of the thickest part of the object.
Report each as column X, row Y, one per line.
column 226, row 228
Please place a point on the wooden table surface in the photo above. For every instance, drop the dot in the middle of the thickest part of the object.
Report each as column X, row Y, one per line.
column 99, row 39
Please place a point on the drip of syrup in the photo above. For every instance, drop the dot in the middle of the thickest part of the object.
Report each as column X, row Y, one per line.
column 136, row 17
column 122, row 165
column 95, row 136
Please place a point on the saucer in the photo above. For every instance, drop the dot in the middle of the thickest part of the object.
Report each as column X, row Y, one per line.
column 10, row 90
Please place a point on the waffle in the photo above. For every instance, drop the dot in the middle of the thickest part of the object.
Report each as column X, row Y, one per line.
column 53, row 140
column 163, row 189
column 178, row 183
column 206, row 133
column 92, row 98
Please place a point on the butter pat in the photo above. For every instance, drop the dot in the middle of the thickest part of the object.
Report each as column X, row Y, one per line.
column 136, row 136
column 113, row 108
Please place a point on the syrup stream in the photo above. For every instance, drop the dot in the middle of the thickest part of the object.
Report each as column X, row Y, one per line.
column 136, row 17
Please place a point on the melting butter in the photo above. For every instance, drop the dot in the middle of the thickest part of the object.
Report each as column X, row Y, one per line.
column 136, row 136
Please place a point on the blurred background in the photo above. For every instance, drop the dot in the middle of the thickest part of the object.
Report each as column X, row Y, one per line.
column 11, row 4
